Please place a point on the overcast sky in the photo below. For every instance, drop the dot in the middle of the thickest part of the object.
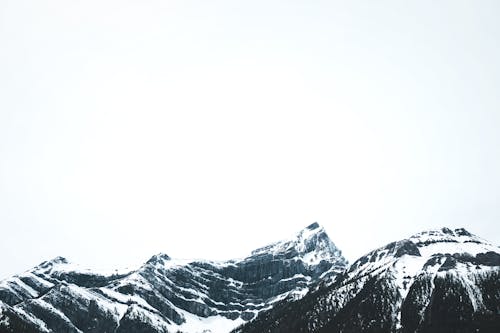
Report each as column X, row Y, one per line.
column 204, row 129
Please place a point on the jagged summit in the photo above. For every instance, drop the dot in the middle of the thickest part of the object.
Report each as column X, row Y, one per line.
column 160, row 258
column 426, row 244
column 57, row 261
column 448, row 241
column 459, row 235
column 445, row 232
column 313, row 226
column 312, row 244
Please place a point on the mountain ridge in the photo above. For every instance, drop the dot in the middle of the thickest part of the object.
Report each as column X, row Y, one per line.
column 386, row 289
column 438, row 280
column 165, row 294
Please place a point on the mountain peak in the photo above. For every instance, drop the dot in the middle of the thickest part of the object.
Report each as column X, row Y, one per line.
column 446, row 235
column 159, row 258
column 462, row 232
column 447, row 231
column 311, row 245
column 313, row 226
column 55, row 261
column 60, row 260
column 423, row 246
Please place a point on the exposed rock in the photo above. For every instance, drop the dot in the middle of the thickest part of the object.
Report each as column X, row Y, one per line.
column 436, row 281
column 165, row 295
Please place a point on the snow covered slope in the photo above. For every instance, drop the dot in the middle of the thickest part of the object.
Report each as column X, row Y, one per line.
column 167, row 295
column 436, row 281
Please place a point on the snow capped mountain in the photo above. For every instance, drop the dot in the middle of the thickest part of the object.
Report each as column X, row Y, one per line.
column 436, row 281
column 165, row 294
column 311, row 245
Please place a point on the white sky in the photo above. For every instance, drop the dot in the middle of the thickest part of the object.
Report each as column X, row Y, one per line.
column 204, row 129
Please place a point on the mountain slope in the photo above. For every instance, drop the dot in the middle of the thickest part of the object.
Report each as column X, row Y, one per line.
column 435, row 281
column 166, row 295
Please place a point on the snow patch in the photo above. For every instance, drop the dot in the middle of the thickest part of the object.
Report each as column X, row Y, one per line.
column 31, row 318
column 30, row 291
column 213, row 324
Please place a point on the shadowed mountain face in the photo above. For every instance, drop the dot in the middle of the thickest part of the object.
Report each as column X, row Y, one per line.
column 436, row 281
column 167, row 295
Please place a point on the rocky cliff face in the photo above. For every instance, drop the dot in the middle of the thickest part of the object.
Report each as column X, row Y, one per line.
column 436, row 281
column 167, row 295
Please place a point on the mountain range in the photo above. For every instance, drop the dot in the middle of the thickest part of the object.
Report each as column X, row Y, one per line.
column 435, row 281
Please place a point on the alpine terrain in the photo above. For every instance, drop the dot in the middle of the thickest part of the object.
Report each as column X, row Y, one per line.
column 167, row 295
column 435, row 281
